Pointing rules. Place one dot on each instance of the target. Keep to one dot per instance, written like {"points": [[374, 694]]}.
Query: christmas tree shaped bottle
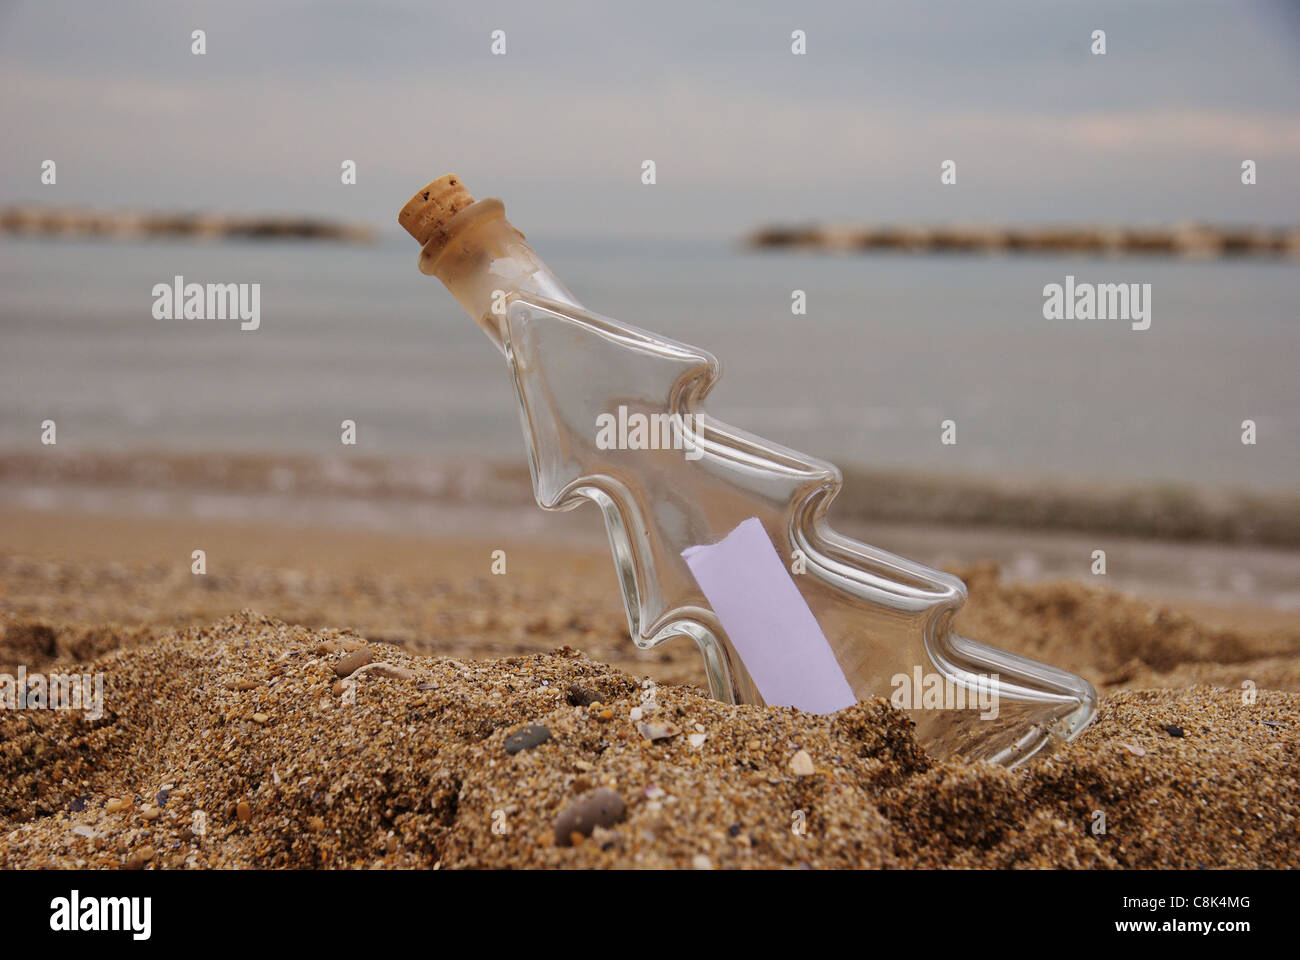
{"points": [[719, 535]]}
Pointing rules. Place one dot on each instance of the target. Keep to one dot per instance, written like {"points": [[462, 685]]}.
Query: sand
{"points": [[236, 745], [230, 741]]}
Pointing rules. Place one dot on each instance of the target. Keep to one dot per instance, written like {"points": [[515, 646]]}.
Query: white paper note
{"points": [[768, 621]]}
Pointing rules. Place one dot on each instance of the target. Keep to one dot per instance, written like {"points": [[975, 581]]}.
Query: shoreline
{"points": [[1211, 550], [1164, 511]]}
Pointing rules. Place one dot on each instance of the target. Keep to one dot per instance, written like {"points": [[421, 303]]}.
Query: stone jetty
{"points": [[82, 224], [1193, 240]]}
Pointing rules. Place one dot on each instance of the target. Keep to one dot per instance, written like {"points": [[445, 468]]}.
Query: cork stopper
{"points": [[428, 211]]}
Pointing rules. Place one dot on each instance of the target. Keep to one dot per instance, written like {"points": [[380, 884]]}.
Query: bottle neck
{"points": [[484, 262]]}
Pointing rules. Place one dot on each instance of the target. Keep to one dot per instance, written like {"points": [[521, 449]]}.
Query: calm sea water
{"points": [[890, 347]]}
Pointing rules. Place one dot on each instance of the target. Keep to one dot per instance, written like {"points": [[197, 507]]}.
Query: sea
{"points": [[890, 347]]}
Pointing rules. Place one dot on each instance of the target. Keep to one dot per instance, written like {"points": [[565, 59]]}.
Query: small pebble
{"points": [[658, 731], [635, 714], [337, 646], [601, 807], [1174, 730], [353, 661], [525, 738], [244, 811], [150, 813], [1133, 748], [390, 670], [701, 862], [580, 696], [140, 858], [260, 718], [801, 765], [117, 805], [697, 739]]}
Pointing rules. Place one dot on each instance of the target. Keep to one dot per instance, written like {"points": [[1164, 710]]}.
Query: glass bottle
{"points": [[694, 518]]}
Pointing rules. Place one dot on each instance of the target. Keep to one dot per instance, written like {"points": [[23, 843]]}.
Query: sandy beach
{"points": [[229, 739]]}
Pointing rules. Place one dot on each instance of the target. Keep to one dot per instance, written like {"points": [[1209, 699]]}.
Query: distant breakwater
{"points": [[81, 224], [1193, 240]]}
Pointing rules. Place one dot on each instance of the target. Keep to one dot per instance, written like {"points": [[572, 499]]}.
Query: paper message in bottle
{"points": [[768, 621]]}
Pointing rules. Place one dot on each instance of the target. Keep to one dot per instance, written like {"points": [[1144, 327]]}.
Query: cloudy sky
{"points": [[741, 130]]}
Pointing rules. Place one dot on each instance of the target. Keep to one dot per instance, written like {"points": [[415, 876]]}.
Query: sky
{"points": [[742, 131]]}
